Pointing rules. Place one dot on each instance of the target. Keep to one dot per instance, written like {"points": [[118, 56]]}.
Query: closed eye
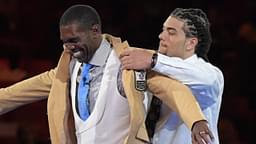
{"points": [[72, 40], [170, 30]]}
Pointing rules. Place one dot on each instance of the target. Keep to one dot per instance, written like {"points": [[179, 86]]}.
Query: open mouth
{"points": [[77, 52]]}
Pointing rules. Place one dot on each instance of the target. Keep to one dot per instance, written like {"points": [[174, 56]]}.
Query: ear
{"points": [[96, 28], [191, 43]]}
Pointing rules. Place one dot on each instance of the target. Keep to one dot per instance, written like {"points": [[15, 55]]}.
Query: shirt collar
{"points": [[100, 56], [191, 59]]}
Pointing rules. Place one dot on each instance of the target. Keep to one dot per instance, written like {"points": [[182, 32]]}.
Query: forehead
{"points": [[172, 22], [74, 27], [70, 30]]}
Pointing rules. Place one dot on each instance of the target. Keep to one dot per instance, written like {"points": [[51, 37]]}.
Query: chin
{"points": [[78, 59], [162, 52]]}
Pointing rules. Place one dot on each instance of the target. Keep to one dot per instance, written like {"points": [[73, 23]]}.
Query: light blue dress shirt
{"points": [[206, 83]]}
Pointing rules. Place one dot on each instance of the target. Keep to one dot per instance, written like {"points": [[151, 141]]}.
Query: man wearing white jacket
{"points": [[182, 55]]}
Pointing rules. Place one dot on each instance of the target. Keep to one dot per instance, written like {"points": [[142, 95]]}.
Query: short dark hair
{"points": [[84, 15], [196, 25]]}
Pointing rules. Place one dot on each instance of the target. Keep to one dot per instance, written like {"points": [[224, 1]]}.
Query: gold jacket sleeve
{"points": [[27, 91], [176, 96]]}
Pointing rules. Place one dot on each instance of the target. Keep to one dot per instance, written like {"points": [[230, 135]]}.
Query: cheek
{"points": [[170, 50]]}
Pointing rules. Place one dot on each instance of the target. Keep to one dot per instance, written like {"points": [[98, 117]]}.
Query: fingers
{"points": [[210, 135], [194, 141], [205, 137], [126, 60], [202, 138], [126, 52], [126, 64]]}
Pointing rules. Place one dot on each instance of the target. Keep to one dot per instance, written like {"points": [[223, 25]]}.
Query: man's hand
{"points": [[136, 58], [201, 133]]}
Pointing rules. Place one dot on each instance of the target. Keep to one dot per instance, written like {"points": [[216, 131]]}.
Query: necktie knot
{"points": [[85, 73]]}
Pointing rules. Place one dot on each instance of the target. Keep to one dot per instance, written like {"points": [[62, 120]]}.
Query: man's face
{"points": [[78, 41], [173, 41]]}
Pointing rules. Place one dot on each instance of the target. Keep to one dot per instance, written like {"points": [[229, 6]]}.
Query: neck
{"points": [[99, 40]]}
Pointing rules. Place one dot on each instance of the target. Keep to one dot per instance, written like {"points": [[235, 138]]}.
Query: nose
{"points": [[160, 36]]}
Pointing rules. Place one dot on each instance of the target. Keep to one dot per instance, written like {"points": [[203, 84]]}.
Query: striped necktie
{"points": [[83, 90]]}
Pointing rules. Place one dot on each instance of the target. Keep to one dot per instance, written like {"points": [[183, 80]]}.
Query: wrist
{"points": [[198, 122], [154, 60]]}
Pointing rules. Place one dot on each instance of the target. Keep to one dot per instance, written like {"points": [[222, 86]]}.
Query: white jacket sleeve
{"points": [[204, 79]]}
